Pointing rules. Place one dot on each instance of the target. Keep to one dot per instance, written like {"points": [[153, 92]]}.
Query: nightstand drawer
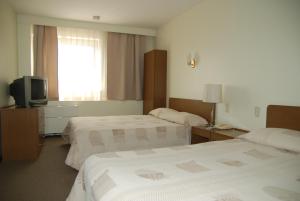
{"points": [[217, 137], [226, 134], [201, 132], [200, 135], [198, 139]]}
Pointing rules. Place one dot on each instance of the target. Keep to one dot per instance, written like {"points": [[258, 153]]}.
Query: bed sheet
{"points": [[232, 170], [90, 135]]}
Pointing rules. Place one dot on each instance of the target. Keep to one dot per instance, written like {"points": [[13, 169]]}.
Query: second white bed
{"points": [[233, 170]]}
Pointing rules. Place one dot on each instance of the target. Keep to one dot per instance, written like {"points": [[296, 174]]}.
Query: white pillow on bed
{"points": [[183, 118], [276, 137], [156, 112], [172, 116], [194, 120]]}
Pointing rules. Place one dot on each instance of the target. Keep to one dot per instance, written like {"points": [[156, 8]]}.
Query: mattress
{"points": [[232, 170], [90, 135]]}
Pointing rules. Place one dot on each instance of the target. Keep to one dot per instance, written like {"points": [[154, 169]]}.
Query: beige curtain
{"points": [[125, 66], [45, 57]]}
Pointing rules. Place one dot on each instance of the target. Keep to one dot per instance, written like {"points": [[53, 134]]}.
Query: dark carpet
{"points": [[45, 179]]}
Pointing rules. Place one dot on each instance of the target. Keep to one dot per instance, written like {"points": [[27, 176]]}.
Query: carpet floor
{"points": [[45, 179]]}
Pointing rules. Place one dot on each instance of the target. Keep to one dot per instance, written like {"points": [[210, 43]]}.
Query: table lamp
{"points": [[213, 94]]}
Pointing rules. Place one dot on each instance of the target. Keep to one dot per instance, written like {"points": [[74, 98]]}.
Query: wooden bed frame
{"points": [[197, 107], [280, 116]]}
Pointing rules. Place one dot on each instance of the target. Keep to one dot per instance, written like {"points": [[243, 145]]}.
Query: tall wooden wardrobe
{"points": [[155, 80]]}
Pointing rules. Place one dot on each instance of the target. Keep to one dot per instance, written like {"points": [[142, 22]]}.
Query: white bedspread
{"points": [[232, 170], [90, 135]]}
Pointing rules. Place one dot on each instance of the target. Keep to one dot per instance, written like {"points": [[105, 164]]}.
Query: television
{"points": [[29, 91]]}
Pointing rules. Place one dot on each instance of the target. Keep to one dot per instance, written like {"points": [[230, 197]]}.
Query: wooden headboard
{"points": [[197, 107], [280, 116]]}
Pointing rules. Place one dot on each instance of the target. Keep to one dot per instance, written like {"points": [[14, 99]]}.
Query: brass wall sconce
{"points": [[192, 60], [192, 63]]}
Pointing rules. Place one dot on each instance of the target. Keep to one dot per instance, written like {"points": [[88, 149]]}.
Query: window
{"points": [[81, 64]]}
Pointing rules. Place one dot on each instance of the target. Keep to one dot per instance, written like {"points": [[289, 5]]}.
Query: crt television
{"points": [[29, 91]]}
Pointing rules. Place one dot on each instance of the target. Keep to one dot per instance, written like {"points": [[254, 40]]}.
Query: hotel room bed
{"points": [[263, 165], [90, 135]]}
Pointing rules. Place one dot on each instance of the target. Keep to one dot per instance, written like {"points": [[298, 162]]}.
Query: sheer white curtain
{"points": [[81, 64]]}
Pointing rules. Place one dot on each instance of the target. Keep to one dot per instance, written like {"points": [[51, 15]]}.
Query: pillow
{"points": [[172, 116], [157, 111], [183, 118], [276, 137], [194, 120]]}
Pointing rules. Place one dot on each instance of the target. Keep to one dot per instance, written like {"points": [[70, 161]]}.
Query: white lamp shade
{"points": [[213, 93]]}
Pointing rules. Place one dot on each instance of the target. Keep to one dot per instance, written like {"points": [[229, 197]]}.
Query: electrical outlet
{"points": [[256, 111]]}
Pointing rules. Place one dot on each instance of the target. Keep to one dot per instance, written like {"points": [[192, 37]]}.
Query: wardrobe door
{"points": [[149, 62], [160, 79], [155, 67]]}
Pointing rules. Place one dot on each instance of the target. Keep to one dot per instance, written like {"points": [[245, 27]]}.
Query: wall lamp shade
{"points": [[213, 93], [192, 62]]}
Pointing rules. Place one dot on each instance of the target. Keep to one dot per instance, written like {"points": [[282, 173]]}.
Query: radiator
{"points": [[57, 116]]}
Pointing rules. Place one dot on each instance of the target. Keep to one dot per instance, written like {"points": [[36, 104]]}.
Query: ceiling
{"points": [[140, 13]]}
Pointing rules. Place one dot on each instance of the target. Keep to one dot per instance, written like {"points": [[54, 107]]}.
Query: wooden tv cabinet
{"points": [[21, 133]]}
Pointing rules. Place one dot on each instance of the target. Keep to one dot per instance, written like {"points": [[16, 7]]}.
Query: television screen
{"points": [[37, 89]]}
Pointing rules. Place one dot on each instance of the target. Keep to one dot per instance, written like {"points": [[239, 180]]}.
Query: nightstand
{"points": [[200, 134], [218, 134], [205, 134]]}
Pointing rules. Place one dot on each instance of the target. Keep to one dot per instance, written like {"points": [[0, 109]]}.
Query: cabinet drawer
{"points": [[198, 139], [216, 137]]}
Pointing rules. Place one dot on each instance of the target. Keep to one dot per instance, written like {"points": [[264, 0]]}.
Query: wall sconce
{"points": [[192, 60]]}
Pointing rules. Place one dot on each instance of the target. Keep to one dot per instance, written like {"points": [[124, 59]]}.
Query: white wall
{"points": [[103, 108], [252, 47], [8, 50], [88, 108]]}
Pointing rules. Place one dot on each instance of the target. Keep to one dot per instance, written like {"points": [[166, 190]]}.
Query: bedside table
{"points": [[205, 134], [200, 134], [218, 134]]}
